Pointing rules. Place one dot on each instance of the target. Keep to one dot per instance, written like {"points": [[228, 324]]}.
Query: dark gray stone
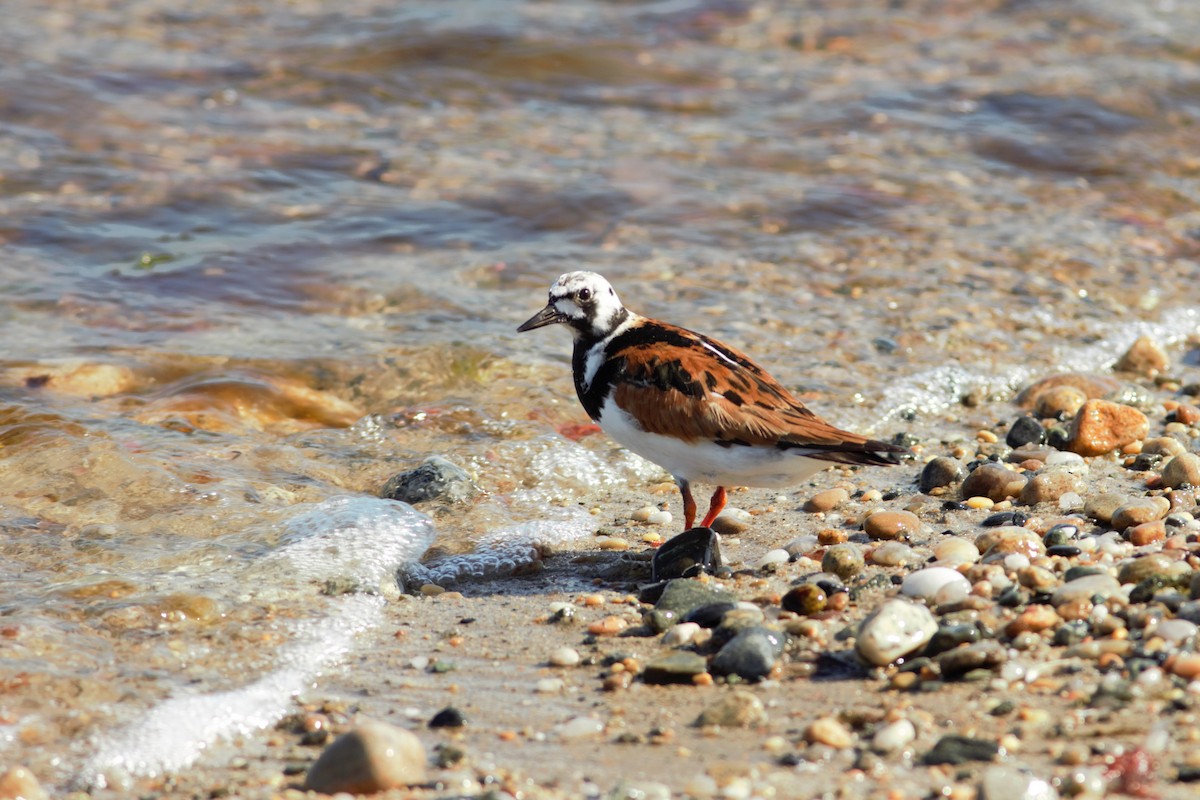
{"points": [[955, 749], [749, 655]]}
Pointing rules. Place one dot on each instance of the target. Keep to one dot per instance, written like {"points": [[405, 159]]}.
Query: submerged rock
{"points": [[435, 479]]}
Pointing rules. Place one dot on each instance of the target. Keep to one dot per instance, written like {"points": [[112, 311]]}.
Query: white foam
{"points": [[364, 538], [934, 390]]}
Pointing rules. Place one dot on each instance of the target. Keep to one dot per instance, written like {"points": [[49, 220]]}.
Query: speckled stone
{"points": [[1182, 470], [941, 471], [435, 479], [1024, 431], [895, 629], [994, 482], [891, 524], [683, 595], [844, 560], [1101, 427], [1101, 507], [1049, 486], [1059, 402], [1147, 533], [806, 599], [1153, 565], [826, 500], [374, 757]]}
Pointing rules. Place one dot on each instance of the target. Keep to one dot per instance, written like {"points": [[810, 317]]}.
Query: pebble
{"points": [[806, 599], [1148, 533], [732, 521], [1034, 619], [826, 500], [1086, 588], [1025, 430], [987, 654], [895, 629], [941, 471], [1059, 402], [681, 596], [550, 686], [374, 757], [1003, 782], [738, 709], [949, 637], [608, 626], [1101, 427], [830, 732], [1163, 446], [936, 582], [679, 666], [894, 736], [1144, 357], [979, 503], [1175, 631], [1182, 470], [681, 634], [1185, 665], [955, 749], [578, 728], [1135, 512], [1153, 565], [954, 550], [750, 655], [18, 783], [1009, 539], [1039, 579], [1050, 487], [435, 479], [843, 560], [776, 556], [894, 554], [1101, 507], [660, 517], [891, 524], [564, 657], [448, 717], [994, 482]]}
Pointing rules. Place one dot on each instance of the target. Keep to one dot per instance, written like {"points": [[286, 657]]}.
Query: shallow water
{"points": [[263, 256]]}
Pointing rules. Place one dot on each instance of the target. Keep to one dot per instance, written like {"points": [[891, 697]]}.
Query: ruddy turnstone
{"points": [[696, 407]]}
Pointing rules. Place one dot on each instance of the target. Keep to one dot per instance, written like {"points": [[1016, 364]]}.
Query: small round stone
{"points": [[830, 732], [564, 657], [894, 554], [750, 655], [738, 709], [940, 472], [448, 717], [891, 524], [806, 599], [979, 503], [826, 500], [578, 728], [681, 634], [1050, 486], [843, 560], [894, 736], [1148, 533], [1144, 357], [1085, 588], [1182, 470], [895, 629], [374, 757], [994, 482], [955, 550], [776, 556], [1034, 619], [1154, 565], [1025, 430], [931, 582], [1059, 402], [1135, 512]]}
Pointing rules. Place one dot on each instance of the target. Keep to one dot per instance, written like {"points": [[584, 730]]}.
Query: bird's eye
{"points": [[584, 295]]}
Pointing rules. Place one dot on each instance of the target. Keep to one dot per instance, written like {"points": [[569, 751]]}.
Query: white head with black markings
{"points": [[583, 301]]}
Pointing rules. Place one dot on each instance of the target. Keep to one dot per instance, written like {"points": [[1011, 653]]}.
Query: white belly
{"points": [[705, 462]]}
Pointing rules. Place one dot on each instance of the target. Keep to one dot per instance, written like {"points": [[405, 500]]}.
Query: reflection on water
{"points": [[259, 255]]}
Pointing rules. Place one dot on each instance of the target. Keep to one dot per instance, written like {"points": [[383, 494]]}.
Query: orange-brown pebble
{"points": [[891, 524], [828, 536], [1077, 609], [1108, 661], [826, 500], [838, 601], [592, 600], [702, 679], [609, 626], [1034, 619], [616, 681], [1185, 665], [1101, 427], [1187, 414], [1148, 533], [507, 736]]}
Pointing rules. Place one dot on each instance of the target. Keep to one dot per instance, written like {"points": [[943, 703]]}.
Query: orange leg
{"points": [[714, 507], [689, 503]]}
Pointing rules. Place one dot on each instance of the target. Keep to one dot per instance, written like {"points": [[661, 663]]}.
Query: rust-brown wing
{"points": [[676, 382]]}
